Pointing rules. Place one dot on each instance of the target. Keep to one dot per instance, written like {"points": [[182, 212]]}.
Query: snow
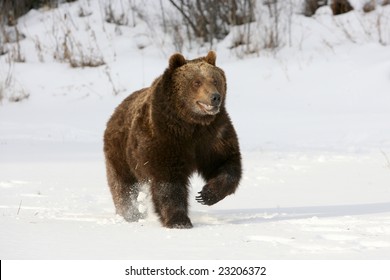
{"points": [[312, 119]]}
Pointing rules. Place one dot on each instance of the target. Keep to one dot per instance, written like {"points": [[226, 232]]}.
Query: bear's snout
{"points": [[210, 105], [215, 99]]}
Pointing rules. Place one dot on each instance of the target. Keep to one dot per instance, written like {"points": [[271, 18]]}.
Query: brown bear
{"points": [[162, 134]]}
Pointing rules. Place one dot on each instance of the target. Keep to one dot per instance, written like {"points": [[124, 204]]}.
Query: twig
{"points": [[387, 158], [20, 206], [107, 71]]}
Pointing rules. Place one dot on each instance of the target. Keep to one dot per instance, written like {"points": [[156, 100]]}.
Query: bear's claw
{"points": [[206, 197]]}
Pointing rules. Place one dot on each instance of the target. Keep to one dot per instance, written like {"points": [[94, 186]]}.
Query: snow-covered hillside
{"points": [[312, 119]]}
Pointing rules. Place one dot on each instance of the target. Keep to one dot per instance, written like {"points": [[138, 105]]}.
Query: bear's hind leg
{"points": [[124, 190]]}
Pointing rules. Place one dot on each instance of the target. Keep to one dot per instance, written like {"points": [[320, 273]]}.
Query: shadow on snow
{"points": [[263, 215]]}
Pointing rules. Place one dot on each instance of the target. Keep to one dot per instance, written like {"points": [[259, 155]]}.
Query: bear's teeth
{"points": [[206, 106], [208, 109]]}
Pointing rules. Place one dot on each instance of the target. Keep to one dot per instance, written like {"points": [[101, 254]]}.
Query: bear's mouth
{"points": [[208, 109]]}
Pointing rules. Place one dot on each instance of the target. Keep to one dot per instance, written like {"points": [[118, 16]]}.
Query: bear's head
{"points": [[198, 87]]}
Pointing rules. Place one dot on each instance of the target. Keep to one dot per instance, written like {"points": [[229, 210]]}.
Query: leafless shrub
{"points": [[239, 39], [11, 34], [386, 158], [345, 27], [5, 83], [71, 49], [10, 10], [111, 16], [115, 89], [270, 30], [38, 48], [211, 19], [3, 47], [178, 40], [383, 28], [19, 96], [84, 12], [372, 27], [3, 50], [16, 51], [10, 89], [272, 39], [89, 57], [10, 38]]}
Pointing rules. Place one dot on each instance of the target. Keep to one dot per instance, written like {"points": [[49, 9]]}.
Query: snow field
{"points": [[312, 119]]}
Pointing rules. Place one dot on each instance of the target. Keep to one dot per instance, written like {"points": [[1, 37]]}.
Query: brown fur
{"points": [[162, 134]]}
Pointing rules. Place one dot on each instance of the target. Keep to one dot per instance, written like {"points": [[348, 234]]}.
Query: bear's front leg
{"points": [[171, 204], [222, 180]]}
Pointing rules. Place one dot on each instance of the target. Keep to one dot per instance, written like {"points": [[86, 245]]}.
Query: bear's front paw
{"points": [[207, 197]]}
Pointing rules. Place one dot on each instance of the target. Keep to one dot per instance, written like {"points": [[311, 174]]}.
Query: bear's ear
{"points": [[211, 57], [176, 60]]}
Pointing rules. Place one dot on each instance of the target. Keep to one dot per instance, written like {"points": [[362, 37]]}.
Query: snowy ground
{"points": [[289, 206], [315, 135]]}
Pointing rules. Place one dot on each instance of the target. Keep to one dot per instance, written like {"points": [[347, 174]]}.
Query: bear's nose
{"points": [[215, 99]]}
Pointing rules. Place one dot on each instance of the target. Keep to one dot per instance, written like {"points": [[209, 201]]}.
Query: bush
{"points": [[211, 19], [10, 89]]}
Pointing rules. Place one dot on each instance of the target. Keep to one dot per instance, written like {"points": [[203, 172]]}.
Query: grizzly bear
{"points": [[162, 134]]}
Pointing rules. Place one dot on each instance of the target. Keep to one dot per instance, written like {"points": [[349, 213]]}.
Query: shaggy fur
{"points": [[162, 134]]}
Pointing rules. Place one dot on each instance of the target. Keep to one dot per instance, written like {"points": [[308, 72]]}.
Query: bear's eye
{"points": [[197, 83], [215, 82]]}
